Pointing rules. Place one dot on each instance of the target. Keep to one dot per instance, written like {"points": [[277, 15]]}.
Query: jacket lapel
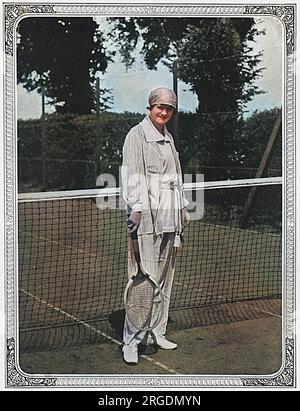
{"points": [[151, 133]]}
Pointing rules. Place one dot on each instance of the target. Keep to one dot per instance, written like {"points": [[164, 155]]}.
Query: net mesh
{"points": [[73, 266]]}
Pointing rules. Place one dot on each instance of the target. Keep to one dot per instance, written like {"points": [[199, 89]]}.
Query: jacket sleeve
{"points": [[185, 201], [133, 172]]}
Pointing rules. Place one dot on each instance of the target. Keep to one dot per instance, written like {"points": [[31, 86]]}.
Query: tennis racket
{"points": [[140, 295]]}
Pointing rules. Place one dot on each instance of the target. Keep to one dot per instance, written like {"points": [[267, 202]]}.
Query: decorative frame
{"points": [[15, 377]]}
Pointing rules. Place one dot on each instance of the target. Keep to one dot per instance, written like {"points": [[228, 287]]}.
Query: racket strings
{"points": [[141, 296]]}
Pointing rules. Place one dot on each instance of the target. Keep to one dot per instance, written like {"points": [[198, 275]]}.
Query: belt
{"points": [[170, 186]]}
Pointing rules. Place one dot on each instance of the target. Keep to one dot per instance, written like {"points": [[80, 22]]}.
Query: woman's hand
{"points": [[134, 221], [185, 217]]}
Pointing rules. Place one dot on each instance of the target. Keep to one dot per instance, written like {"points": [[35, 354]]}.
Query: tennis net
{"points": [[73, 259]]}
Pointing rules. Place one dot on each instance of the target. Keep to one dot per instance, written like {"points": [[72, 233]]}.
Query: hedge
{"points": [[78, 148]]}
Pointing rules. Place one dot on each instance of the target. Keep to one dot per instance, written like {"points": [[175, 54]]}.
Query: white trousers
{"points": [[158, 255]]}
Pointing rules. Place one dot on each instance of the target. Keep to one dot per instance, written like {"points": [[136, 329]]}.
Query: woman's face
{"points": [[160, 114]]}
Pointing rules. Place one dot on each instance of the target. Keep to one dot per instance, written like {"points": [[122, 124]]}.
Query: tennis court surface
{"points": [[226, 299]]}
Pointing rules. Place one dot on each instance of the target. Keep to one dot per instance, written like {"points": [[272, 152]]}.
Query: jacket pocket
{"points": [[154, 161]]}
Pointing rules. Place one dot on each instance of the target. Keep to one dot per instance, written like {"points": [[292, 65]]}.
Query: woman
{"points": [[156, 208]]}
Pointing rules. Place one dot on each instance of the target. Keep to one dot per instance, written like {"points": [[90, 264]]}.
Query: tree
{"points": [[61, 57], [214, 55], [216, 60], [254, 139]]}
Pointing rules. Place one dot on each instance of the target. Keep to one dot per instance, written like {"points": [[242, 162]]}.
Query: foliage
{"points": [[61, 56], [214, 55], [208, 145], [254, 138], [70, 149], [212, 145], [74, 163]]}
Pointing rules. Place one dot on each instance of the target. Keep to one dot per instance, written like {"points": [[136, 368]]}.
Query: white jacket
{"points": [[143, 179]]}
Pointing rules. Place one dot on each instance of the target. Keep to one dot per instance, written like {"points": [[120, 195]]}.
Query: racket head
{"points": [[141, 294]]}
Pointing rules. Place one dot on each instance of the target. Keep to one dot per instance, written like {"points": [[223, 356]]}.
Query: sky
{"points": [[131, 88]]}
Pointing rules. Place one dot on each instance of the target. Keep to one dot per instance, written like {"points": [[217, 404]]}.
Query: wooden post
{"points": [[44, 146], [43, 103], [175, 89], [261, 169], [98, 96], [98, 130]]}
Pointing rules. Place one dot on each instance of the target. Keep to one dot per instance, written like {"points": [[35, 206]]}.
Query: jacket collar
{"points": [[151, 133]]}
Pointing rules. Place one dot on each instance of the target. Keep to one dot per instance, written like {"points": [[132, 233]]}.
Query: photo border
{"points": [[15, 377]]}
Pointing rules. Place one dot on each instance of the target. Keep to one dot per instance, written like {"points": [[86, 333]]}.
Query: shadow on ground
{"points": [[248, 347]]}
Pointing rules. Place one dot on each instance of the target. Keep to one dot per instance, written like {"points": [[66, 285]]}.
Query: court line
{"points": [[199, 290], [225, 302], [59, 243], [65, 313], [263, 311]]}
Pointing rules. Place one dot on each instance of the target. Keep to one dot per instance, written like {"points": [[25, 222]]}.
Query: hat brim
{"points": [[162, 103]]}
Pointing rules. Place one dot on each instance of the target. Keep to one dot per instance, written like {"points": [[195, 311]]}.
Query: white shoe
{"points": [[130, 354], [163, 343]]}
